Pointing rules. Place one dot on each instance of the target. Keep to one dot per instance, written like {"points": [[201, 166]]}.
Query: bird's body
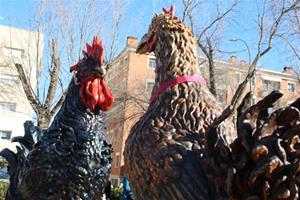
{"points": [[164, 149], [72, 160], [177, 150]]}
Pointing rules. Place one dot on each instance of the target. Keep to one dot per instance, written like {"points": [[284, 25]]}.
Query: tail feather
{"points": [[16, 161], [296, 104], [11, 159], [264, 159], [27, 140]]}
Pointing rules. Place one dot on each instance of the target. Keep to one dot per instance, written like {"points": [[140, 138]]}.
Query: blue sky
{"points": [[138, 14]]}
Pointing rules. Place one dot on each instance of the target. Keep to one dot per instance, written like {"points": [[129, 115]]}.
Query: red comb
{"points": [[170, 12], [95, 51]]}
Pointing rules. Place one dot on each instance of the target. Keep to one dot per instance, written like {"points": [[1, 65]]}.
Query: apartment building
{"points": [[16, 46], [131, 78], [230, 73]]}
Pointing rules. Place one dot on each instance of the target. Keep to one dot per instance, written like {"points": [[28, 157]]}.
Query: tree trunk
{"points": [[212, 81], [43, 121]]}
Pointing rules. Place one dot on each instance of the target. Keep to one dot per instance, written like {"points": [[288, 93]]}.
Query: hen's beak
{"points": [[143, 47]]}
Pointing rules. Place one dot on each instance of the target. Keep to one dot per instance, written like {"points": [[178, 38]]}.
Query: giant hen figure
{"points": [[73, 158], [164, 150]]}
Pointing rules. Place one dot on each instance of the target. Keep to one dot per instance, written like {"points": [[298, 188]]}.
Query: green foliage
{"points": [[3, 163], [3, 189], [116, 193]]}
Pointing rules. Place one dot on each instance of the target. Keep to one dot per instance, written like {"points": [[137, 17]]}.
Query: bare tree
{"points": [[266, 34], [117, 15], [292, 40], [136, 100], [271, 15], [44, 111], [207, 34], [66, 27], [208, 40]]}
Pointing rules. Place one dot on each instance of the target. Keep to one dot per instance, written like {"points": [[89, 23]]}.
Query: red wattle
{"points": [[109, 99], [96, 93]]}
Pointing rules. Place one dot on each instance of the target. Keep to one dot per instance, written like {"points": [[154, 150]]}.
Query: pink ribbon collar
{"points": [[175, 81]]}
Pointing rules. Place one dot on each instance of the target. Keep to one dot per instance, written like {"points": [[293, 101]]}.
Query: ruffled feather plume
{"points": [[94, 51]]}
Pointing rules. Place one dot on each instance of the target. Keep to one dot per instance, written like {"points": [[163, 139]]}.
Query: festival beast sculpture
{"points": [[264, 161], [72, 160], [175, 151]]}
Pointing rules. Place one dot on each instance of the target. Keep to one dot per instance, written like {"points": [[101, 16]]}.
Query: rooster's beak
{"points": [[102, 70], [143, 47]]}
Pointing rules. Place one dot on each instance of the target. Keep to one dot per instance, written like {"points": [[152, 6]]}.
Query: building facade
{"points": [[24, 47], [131, 78], [231, 73]]}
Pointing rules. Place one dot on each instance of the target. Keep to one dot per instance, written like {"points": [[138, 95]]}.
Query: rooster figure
{"points": [[264, 161], [72, 159], [165, 148]]}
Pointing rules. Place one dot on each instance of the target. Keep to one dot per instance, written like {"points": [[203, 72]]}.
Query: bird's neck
{"points": [[176, 56], [74, 114]]}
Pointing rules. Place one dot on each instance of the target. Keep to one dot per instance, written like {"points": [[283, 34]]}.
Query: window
{"points": [[291, 87], [6, 135], [13, 52], [271, 85], [6, 106], [2, 64], [152, 63], [9, 79], [150, 85], [117, 161], [238, 77]]}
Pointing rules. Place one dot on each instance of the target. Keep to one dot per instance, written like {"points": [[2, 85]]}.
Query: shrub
{"points": [[3, 163], [3, 189], [116, 193]]}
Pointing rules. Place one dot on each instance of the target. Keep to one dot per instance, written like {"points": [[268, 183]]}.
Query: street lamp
{"points": [[249, 55]]}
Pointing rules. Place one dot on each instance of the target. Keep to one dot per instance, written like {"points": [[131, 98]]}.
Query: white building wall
{"points": [[24, 47]]}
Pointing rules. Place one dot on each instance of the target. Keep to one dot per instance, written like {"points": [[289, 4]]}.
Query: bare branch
{"points": [[252, 68], [32, 98], [206, 45], [217, 19], [291, 46], [126, 96], [117, 17], [189, 6], [211, 66], [275, 26], [236, 97], [57, 105], [54, 75]]}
